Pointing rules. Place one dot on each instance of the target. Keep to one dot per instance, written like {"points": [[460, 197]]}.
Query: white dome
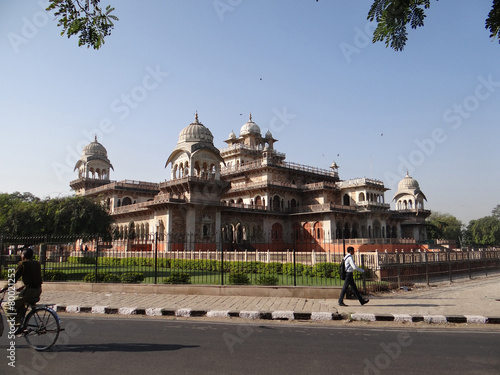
{"points": [[95, 149], [250, 128], [94, 153], [408, 186], [196, 132], [408, 183]]}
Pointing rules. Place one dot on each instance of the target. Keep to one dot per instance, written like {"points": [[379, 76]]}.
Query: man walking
{"points": [[350, 267]]}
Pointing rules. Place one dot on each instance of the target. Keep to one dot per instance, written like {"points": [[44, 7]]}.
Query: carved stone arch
{"points": [[318, 230]]}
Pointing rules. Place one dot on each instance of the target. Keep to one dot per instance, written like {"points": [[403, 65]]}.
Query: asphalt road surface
{"points": [[141, 345]]}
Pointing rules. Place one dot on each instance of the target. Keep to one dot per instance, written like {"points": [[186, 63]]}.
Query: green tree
{"points": [[15, 213], [80, 215], [393, 17], [27, 215], [92, 24], [496, 212], [483, 232], [443, 226], [84, 18]]}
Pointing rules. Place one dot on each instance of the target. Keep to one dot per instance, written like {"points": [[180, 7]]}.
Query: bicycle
{"points": [[41, 325]]}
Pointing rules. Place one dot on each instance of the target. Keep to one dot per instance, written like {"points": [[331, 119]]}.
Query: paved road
{"points": [[135, 345]]}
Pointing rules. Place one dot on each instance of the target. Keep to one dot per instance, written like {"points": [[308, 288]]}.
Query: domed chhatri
{"points": [[409, 196], [93, 168], [94, 162], [195, 153]]}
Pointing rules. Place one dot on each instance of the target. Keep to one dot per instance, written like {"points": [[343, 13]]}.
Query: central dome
{"points": [[196, 132], [250, 128]]}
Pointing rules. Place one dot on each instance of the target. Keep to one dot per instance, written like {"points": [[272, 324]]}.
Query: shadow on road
{"points": [[119, 347]]}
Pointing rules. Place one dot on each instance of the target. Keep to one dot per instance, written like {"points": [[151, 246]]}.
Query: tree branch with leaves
{"points": [[84, 18]]}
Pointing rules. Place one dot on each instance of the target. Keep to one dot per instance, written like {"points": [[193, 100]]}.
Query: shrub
{"points": [[82, 260], [90, 277], [267, 280], [238, 278], [111, 278], [326, 269], [111, 261], [132, 277], [55, 276], [274, 268], [307, 271], [105, 277], [178, 278]]}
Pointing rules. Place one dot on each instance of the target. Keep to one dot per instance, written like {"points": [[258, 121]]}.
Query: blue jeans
{"points": [[349, 281]]}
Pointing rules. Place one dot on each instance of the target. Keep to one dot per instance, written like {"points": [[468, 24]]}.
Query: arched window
{"points": [[346, 200], [277, 232], [276, 203], [126, 201], [318, 231]]}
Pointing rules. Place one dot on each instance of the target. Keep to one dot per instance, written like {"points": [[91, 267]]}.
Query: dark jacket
{"points": [[31, 273]]}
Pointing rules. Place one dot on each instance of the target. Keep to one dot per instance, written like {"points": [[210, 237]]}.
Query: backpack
{"points": [[342, 272]]}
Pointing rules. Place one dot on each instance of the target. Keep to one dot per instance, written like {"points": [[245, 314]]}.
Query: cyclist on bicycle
{"points": [[30, 271]]}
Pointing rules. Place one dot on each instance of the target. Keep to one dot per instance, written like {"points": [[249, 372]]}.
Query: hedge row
{"points": [[328, 270]]}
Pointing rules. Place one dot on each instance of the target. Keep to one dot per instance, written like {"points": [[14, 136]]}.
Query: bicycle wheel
{"points": [[42, 328]]}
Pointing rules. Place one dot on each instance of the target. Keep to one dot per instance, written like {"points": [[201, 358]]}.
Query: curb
{"points": [[279, 315]]}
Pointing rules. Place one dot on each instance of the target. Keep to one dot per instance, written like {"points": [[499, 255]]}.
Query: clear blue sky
{"points": [[306, 70]]}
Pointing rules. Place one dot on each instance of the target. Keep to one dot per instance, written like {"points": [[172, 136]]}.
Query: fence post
{"points": [[222, 266], [294, 268], [43, 255], [364, 273], [156, 257], [485, 253], [448, 254], [427, 278], [96, 258], [398, 268], [468, 264]]}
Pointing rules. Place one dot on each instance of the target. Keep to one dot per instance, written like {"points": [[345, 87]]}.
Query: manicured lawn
{"points": [[77, 272]]}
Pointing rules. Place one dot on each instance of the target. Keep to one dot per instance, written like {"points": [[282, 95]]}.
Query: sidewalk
{"points": [[469, 301]]}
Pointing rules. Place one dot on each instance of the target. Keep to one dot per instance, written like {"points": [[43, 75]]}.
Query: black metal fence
{"points": [[154, 261], [405, 269]]}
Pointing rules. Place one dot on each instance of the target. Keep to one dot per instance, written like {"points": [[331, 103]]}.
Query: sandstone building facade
{"points": [[247, 196]]}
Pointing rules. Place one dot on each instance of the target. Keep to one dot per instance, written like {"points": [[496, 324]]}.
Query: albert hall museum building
{"points": [[246, 196]]}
